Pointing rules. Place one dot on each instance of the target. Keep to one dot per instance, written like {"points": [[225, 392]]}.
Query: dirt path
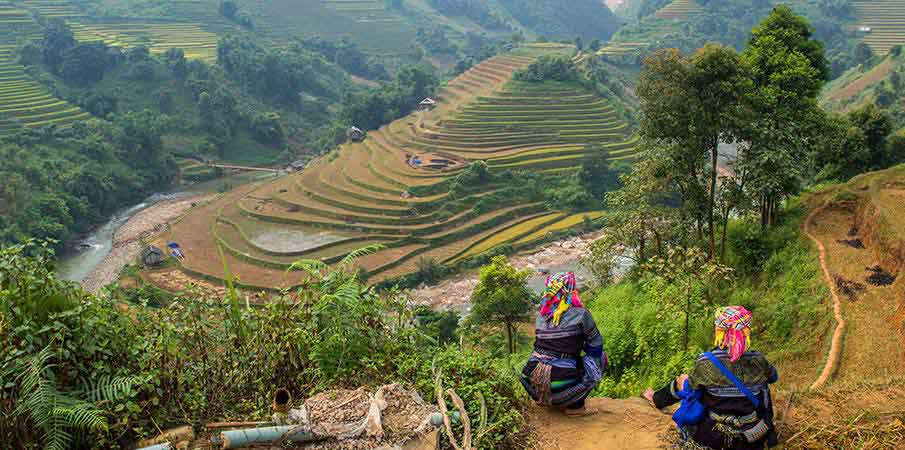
{"points": [[865, 347], [836, 346], [619, 425]]}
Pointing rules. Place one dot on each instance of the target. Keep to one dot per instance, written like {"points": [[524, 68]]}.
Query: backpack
{"points": [[691, 411]]}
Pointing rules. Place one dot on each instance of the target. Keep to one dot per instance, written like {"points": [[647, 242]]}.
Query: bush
{"points": [[555, 68]]}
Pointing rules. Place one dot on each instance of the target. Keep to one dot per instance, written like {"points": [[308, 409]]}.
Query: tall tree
{"points": [[689, 106], [788, 70]]}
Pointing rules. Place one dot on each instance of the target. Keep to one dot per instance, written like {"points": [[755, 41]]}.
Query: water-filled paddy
{"points": [[295, 239]]}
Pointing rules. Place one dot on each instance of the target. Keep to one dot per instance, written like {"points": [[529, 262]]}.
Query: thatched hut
{"points": [[151, 256], [355, 134], [427, 104]]}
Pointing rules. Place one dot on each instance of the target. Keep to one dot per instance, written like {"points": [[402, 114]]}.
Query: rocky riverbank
{"points": [[127, 240], [455, 293]]}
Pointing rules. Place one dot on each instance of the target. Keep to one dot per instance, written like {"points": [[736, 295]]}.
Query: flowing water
{"points": [[81, 259]]}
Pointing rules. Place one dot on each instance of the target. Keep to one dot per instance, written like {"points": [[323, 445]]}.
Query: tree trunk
{"points": [[723, 238], [714, 157], [509, 338]]}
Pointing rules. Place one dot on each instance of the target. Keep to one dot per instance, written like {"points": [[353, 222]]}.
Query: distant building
{"points": [[151, 256], [427, 104], [355, 134], [297, 165], [864, 29]]}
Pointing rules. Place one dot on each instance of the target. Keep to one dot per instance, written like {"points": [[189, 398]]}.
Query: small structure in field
{"points": [[151, 256], [297, 165], [427, 104], [355, 134]]}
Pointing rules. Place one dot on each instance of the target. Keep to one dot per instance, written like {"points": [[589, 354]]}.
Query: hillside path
{"points": [[832, 359], [619, 424]]}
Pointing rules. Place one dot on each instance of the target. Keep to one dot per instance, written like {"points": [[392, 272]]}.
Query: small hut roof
{"points": [[355, 130], [428, 101]]}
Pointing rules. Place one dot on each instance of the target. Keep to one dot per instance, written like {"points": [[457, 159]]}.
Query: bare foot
{"points": [[580, 412]]}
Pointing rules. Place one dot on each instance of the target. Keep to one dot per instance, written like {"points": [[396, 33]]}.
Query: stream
{"points": [[87, 252]]}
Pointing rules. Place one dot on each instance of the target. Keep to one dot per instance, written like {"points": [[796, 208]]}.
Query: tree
{"points": [[690, 105], [502, 298], [84, 63], [689, 269], [640, 220], [595, 45], [595, 174], [58, 38], [863, 53], [788, 69]]}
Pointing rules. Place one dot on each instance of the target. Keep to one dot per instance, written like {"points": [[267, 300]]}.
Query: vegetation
{"points": [[163, 370], [502, 298]]}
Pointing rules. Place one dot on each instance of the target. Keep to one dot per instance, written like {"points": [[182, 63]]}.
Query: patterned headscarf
{"points": [[733, 330], [561, 294]]}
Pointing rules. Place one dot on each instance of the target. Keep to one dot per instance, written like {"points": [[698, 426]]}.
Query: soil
{"points": [[879, 276], [338, 407], [853, 243], [127, 240], [618, 425], [849, 288], [857, 356]]}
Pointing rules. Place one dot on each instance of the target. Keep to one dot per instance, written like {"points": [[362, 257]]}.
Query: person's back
{"points": [[732, 421], [557, 374]]}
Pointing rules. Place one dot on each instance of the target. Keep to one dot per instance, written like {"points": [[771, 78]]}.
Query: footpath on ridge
{"points": [[618, 425]]}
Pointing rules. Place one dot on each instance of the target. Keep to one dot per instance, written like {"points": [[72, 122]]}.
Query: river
{"points": [[78, 261]]}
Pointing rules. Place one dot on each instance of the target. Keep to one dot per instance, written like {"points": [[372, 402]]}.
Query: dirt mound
{"points": [[880, 277]]}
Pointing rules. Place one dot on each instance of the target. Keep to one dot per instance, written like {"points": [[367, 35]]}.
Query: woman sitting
{"points": [[735, 419], [557, 375]]}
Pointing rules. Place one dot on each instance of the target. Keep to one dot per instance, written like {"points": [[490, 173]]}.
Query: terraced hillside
{"points": [[193, 28], [393, 188], [23, 101], [679, 10], [886, 19], [368, 23]]}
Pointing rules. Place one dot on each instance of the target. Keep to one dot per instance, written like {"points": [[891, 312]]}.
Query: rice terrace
{"points": [[393, 188]]}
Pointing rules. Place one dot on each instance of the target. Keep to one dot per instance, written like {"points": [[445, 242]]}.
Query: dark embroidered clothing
{"points": [[730, 411], [557, 374]]}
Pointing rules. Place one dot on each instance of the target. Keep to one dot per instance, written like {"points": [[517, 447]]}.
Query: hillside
{"points": [[880, 80], [413, 187], [885, 22]]}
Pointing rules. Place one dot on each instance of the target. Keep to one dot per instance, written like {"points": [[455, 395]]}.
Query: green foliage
{"points": [[202, 359], [476, 10], [57, 184], [586, 18], [641, 319], [548, 68], [501, 298]]}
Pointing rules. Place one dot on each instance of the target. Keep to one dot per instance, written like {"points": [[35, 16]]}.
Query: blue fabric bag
{"points": [[691, 411]]}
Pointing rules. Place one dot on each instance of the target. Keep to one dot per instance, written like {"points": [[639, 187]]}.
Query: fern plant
{"points": [[63, 416]]}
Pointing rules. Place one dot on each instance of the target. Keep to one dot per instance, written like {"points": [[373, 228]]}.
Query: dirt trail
{"points": [[619, 425], [864, 347], [836, 346]]}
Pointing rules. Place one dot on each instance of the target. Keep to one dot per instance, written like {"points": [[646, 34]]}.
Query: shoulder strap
{"points": [[731, 376]]}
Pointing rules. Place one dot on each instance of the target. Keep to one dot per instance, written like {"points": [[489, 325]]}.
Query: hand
{"points": [[680, 381], [649, 396]]}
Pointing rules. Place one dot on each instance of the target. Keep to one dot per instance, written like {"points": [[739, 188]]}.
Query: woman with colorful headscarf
{"points": [[557, 374], [732, 420]]}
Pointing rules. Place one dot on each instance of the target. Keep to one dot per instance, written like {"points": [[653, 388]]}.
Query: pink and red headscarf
{"points": [[733, 330], [560, 294]]}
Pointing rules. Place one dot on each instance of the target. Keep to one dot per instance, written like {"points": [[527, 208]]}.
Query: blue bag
{"points": [[691, 411]]}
